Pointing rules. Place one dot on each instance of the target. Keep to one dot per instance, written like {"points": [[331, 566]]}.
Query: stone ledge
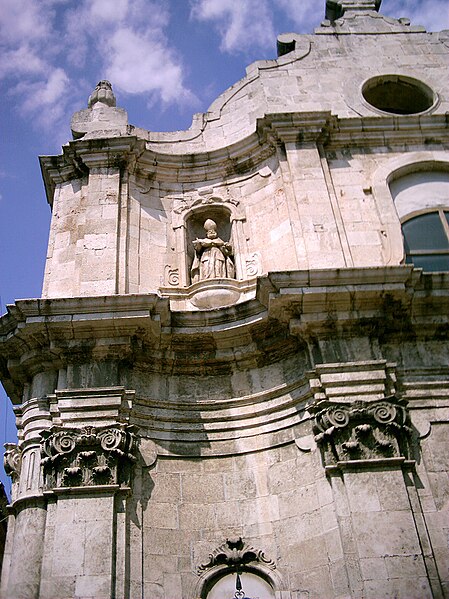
{"points": [[88, 490], [374, 464], [26, 501]]}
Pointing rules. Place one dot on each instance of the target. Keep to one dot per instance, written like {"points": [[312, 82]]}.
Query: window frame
{"points": [[441, 211]]}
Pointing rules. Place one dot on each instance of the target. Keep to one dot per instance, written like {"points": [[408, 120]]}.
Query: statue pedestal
{"points": [[210, 294]]}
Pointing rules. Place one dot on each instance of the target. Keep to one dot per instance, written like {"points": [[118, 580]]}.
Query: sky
{"points": [[166, 59]]}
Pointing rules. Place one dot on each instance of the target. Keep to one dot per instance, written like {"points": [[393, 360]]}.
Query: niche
{"points": [[210, 250]]}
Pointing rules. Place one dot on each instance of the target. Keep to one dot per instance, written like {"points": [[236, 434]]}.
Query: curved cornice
{"points": [[190, 164], [290, 308], [141, 335]]}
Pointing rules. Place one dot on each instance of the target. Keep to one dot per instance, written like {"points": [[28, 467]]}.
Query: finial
{"points": [[102, 93], [336, 8]]}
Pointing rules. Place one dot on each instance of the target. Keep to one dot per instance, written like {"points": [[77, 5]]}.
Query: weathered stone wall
{"points": [[294, 149], [290, 420]]}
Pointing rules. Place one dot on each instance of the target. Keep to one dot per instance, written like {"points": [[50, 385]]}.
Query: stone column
{"points": [[240, 254], [27, 547], [25, 544]]}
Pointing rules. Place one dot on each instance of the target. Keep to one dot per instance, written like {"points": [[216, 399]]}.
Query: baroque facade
{"points": [[236, 379]]}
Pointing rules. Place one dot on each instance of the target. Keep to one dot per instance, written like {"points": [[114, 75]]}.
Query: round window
{"points": [[397, 94]]}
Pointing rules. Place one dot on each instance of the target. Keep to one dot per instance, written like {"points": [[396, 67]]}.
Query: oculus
{"points": [[397, 94]]}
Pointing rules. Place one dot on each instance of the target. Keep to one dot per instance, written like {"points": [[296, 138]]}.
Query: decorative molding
{"points": [[235, 552], [171, 276], [12, 461], [367, 380], [88, 456], [184, 204], [253, 265], [361, 430]]}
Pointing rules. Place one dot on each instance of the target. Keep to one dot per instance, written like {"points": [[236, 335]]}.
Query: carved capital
{"points": [[361, 430], [12, 461], [88, 456], [236, 553]]}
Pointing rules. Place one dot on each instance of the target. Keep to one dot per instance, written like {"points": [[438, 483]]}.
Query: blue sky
{"points": [[167, 59]]}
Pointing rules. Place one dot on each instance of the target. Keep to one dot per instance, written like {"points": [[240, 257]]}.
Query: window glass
{"points": [[424, 192], [430, 263], [426, 241], [425, 232]]}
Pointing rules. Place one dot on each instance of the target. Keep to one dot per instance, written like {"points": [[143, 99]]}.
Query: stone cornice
{"points": [[298, 127], [384, 301], [243, 156], [81, 155], [388, 130]]}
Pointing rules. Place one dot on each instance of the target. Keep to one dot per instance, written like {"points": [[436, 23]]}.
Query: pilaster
{"points": [[368, 444], [321, 237]]}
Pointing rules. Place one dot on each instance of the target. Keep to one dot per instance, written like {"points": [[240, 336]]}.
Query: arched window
{"points": [[246, 586], [238, 570], [426, 240], [421, 199]]}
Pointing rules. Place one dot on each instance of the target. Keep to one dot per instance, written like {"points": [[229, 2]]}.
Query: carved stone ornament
{"points": [[183, 204], [235, 552], [102, 94], [253, 268], [12, 461], [171, 276], [361, 430], [88, 456]]}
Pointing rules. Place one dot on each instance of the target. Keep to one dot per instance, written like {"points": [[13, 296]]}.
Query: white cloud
{"points": [[129, 43], [22, 60], [24, 20], [49, 46], [107, 11], [139, 64], [306, 14], [45, 93], [241, 25], [433, 14], [45, 101]]}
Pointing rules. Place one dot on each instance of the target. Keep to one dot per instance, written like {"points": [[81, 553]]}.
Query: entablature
{"points": [[290, 309], [185, 164]]}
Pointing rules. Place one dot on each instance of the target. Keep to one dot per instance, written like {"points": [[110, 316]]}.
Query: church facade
{"points": [[235, 382]]}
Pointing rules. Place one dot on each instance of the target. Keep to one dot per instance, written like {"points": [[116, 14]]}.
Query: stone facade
{"points": [[284, 420]]}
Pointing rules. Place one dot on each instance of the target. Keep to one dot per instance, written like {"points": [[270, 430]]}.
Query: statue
{"points": [[212, 256]]}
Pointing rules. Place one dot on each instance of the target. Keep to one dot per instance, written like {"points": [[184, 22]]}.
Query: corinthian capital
{"points": [[361, 430], [88, 456]]}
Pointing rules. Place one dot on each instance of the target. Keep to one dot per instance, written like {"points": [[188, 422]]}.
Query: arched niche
{"points": [[195, 229], [188, 223], [254, 583], [219, 579]]}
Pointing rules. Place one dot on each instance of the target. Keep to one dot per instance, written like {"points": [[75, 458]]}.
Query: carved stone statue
{"points": [[212, 256]]}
